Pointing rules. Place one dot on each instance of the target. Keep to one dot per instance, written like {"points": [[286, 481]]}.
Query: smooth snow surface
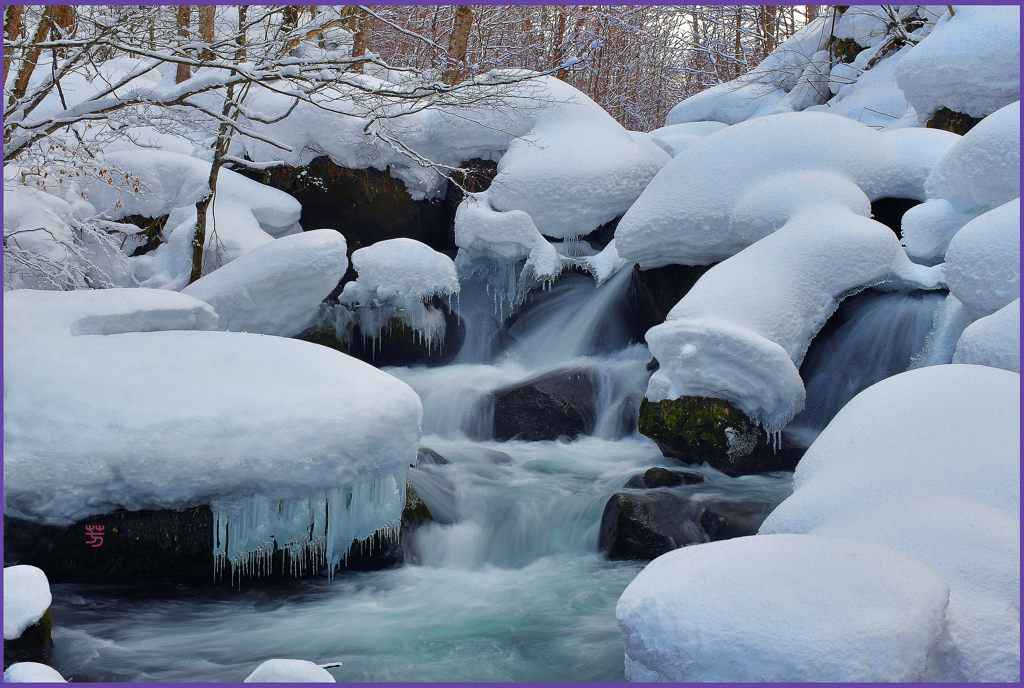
{"points": [[976, 549], [277, 288], [983, 260], [970, 63], [993, 340], [675, 138], [26, 599], [137, 420], [741, 332], [782, 608], [740, 184], [289, 671], [945, 430], [32, 672]]}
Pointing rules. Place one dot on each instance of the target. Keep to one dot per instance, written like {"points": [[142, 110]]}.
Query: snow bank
{"points": [[791, 78], [738, 185], [976, 549], [993, 340], [289, 671], [138, 420], [983, 260], [777, 608], [741, 332], [970, 63], [26, 599], [946, 431], [32, 672], [277, 288], [675, 138]]}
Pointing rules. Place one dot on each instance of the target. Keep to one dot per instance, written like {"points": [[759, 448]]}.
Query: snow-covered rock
{"points": [[782, 608], [993, 340], [32, 672], [946, 430], [675, 138], [26, 599], [276, 288], [969, 63], [738, 185], [165, 419], [289, 671], [983, 260], [976, 549]]}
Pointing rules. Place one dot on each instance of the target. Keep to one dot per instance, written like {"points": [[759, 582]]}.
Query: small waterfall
{"points": [[871, 336]]}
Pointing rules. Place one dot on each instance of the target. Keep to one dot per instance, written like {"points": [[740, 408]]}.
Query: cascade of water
{"points": [[870, 337]]}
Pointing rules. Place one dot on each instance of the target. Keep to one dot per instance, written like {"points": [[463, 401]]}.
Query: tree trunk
{"points": [[183, 17], [220, 150], [240, 53], [206, 16], [12, 31], [459, 42], [25, 73]]}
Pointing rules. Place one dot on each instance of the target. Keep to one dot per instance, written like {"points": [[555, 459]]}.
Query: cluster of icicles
{"points": [[312, 532]]}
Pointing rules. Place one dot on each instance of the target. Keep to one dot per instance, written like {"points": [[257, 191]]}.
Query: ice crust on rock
{"points": [[26, 599], [976, 549], [92, 425], [944, 430], [32, 672], [397, 279], [776, 610], [695, 213], [289, 671], [742, 331], [277, 288], [982, 264], [993, 340], [969, 63]]}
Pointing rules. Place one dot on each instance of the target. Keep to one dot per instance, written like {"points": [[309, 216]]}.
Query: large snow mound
{"points": [[776, 608], [276, 288], [141, 420], [976, 549], [741, 332], [946, 430], [26, 599], [289, 671], [993, 340], [969, 63], [730, 189], [32, 672], [983, 260], [400, 270]]}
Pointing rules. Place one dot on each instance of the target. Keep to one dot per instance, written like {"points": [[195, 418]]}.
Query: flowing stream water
{"points": [[506, 585]]}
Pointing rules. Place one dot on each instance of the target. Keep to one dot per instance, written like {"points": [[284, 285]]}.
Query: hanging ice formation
{"points": [[312, 532]]}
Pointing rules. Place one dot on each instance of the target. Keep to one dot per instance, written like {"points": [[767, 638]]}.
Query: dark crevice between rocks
{"points": [[35, 644], [950, 120], [890, 211], [658, 290]]}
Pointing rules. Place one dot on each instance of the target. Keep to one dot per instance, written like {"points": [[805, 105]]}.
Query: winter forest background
{"points": [[511, 343]]}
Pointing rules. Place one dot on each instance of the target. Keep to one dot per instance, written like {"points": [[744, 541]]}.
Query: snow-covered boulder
{"points": [[165, 419], [675, 138], [782, 608], [738, 185], [26, 599], [946, 430], [983, 260], [276, 288], [32, 672], [289, 671], [976, 549], [993, 340], [741, 332], [969, 63]]}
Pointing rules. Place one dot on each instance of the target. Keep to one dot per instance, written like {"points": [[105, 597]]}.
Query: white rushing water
{"points": [[506, 585]]}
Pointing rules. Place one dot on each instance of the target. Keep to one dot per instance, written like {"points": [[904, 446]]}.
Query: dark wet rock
{"points": [[844, 50], [696, 430], [425, 455], [546, 407], [659, 289], [645, 526], [725, 520], [950, 120], [35, 644], [663, 477]]}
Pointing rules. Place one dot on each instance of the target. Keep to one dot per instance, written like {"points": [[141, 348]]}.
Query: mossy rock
{"points": [[35, 644], [696, 430], [950, 120], [416, 513]]}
